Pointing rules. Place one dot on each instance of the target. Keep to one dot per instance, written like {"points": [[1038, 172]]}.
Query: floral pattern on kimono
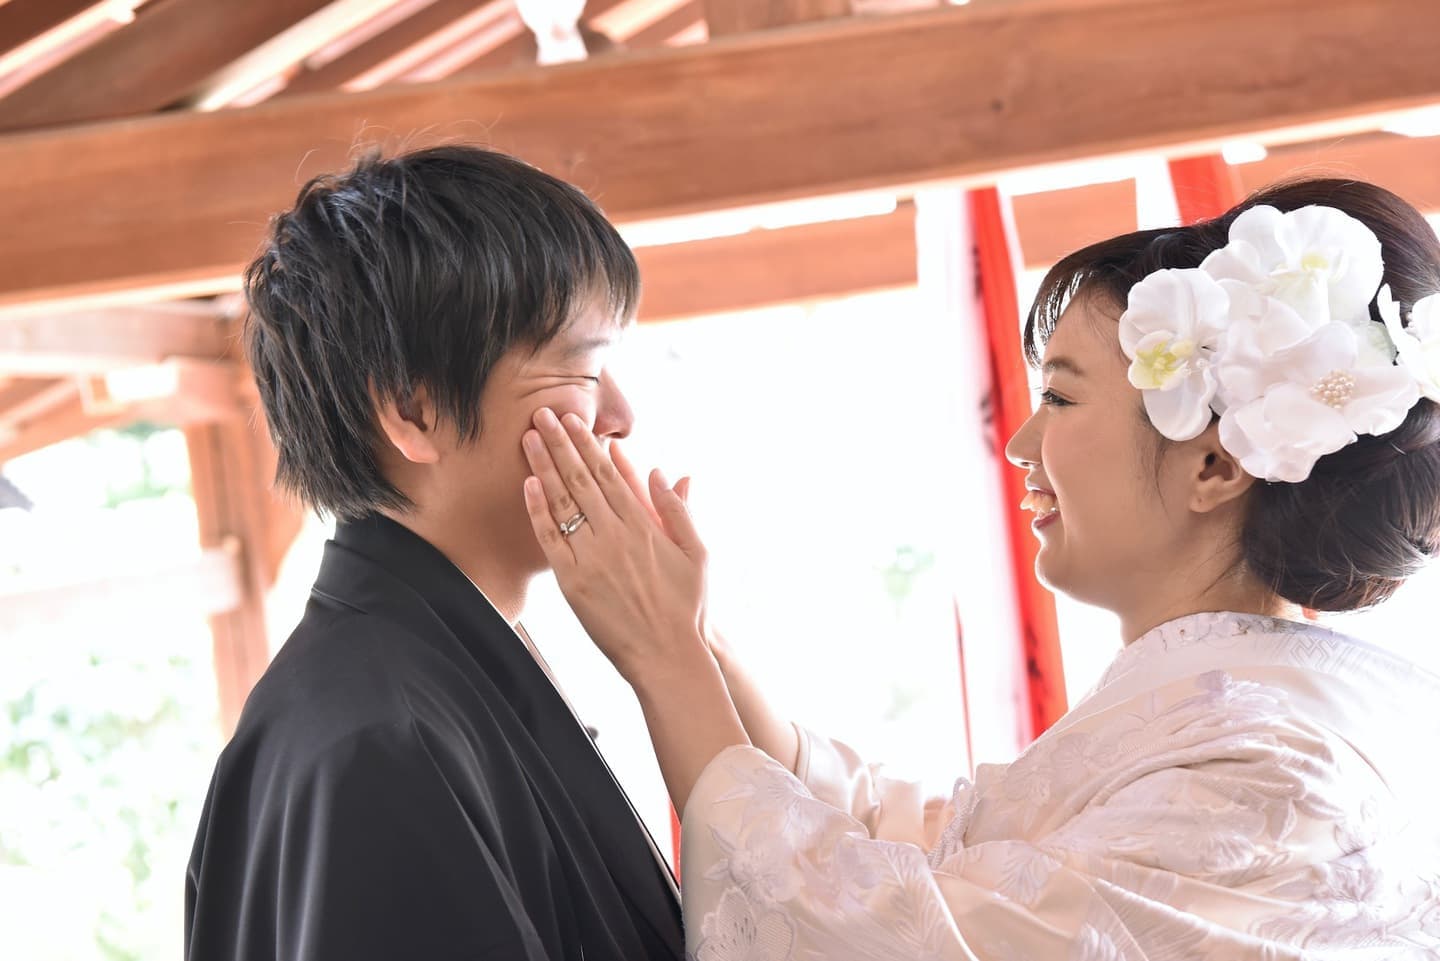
{"points": [[1236, 787]]}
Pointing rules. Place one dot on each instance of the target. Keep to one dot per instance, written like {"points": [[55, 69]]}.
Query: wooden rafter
{"points": [[764, 267], [70, 418], [25, 400], [119, 337], [264, 68], [703, 128], [725, 17], [666, 28], [393, 52], [170, 49], [20, 23]]}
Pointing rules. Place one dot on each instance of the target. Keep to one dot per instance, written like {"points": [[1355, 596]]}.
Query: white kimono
{"points": [[1236, 787]]}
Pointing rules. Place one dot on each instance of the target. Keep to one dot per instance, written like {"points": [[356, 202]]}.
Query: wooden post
{"points": [[231, 466]]}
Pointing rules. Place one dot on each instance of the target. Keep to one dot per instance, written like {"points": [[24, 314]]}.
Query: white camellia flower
{"points": [[1419, 343], [1320, 262], [1322, 393], [1170, 331]]}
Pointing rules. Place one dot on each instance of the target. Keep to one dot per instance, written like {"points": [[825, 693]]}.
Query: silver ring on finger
{"points": [[573, 524]]}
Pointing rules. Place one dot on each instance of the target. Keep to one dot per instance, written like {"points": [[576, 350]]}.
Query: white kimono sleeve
{"points": [[1200, 821]]}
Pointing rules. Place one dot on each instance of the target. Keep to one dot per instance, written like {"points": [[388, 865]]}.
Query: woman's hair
{"points": [[1368, 516], [417, 269]]}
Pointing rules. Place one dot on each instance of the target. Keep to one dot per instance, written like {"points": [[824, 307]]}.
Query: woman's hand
{"points": [[633, 569], [632, 566]]}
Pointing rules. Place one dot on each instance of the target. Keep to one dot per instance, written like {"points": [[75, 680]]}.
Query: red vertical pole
{"points": [[1040, 632], [675, 840], [1204, 187]]}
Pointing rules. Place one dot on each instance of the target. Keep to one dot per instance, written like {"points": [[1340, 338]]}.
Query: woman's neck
{"points": [[1237, 593]]}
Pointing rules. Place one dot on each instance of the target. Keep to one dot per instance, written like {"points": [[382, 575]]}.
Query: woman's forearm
{"points": [[691, 719], [768, 731]]}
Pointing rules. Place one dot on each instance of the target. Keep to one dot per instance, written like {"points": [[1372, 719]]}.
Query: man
{"points": [[405, 780]]}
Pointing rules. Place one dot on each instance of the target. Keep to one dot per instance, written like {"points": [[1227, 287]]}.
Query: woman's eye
{"points": [[1049, 397]]}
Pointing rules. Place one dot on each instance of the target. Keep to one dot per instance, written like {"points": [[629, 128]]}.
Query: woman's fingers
{"points": [[632, 478], [675, 516], [602, 469], [563, 506], [569, 471], [556, 547]]}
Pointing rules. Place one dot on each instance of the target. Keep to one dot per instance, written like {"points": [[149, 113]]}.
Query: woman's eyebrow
{"points": [[1056, 364]]}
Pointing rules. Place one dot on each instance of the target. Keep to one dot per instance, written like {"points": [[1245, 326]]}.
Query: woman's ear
{"points": [[409, 426], [1217, 478]]}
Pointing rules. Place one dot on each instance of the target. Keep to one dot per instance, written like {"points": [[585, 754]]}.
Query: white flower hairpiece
{"points": [[1273, 333]]}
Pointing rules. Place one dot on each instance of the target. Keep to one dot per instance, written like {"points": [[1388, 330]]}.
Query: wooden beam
{"points": [[1054, 223], [1408, 166], [395, 51], [71, 418], [725, 17], [259, 67], [95, 341], [765, 267], [661, 31], [27, 399], [22, 21], [170, 49], [754, 119]]}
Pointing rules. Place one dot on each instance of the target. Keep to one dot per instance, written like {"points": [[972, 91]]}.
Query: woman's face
{"points": [[1110, 511]]}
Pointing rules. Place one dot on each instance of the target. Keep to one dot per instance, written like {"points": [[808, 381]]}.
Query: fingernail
{"points": [[574, 422], [531, 440], [547, 417], [661, 475]]}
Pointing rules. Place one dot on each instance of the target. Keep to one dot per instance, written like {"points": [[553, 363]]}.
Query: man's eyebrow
{"points": [[1065, 364], [580, 348]]}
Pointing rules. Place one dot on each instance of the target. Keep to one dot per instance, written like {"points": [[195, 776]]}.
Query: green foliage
{"points": [[99, 765]]}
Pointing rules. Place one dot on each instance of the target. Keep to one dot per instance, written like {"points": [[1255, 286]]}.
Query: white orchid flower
{"points": [[1320, 262], [1170, 331], [1321, 394], [1419, 343]]}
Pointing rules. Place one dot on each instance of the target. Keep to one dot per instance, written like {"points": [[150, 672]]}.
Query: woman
{"points": [[1239, 422]]}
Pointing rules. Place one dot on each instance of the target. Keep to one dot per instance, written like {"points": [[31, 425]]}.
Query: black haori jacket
{"points": [[406, 782]]}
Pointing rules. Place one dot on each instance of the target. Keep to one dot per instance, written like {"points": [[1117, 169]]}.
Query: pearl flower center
{"points": [[1334, 389]]}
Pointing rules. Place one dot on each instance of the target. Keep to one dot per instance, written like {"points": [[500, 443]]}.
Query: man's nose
{"points": [[613, 416]]}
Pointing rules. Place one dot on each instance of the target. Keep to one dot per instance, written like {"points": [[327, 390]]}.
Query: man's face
{"points": [[479, 486]]}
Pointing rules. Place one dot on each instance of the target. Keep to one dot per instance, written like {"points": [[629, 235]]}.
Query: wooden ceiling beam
{"points": [[755, 119], [71, 418], [1409, 166], [97, 340], [726, 17], [21, 21], [788, 264], [1054, 223], [27, 399], [395, 51], [170, 49], [661, 31]]}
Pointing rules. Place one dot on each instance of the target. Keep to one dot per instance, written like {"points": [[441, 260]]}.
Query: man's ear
{"points": [[409, 426], [1217, 479]]}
